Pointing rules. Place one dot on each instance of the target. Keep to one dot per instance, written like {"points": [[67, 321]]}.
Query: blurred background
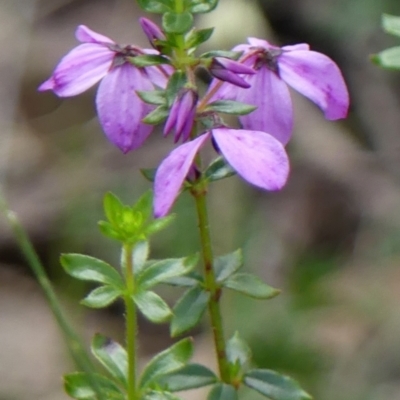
{"points": [[330, 239]]}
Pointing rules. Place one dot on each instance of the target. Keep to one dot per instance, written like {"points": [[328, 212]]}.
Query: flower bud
{"points": [[153, 32], [227, 70], [182, 114]]}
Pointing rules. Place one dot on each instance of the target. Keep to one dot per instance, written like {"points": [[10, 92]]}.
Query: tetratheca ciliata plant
{"points": [[143, 88]]}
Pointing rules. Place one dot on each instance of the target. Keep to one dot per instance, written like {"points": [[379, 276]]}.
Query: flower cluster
{"points": [[259, 78]]}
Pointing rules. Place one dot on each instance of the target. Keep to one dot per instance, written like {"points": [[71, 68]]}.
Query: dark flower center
{"points": [[268, 58], [122, 53]]}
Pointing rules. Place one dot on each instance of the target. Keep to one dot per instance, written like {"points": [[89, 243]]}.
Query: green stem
{"points": [[72, 340], [211, 284], [131, 320]]}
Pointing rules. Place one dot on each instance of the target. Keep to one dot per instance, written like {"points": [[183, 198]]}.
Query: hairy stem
{"points": [[131, 320], [211, 284]]}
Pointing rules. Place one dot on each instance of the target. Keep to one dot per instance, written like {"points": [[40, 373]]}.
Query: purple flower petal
{"points": [[274, 113], [86, 35], [80, 69], [159, 75], [294, 47], [317, 77], [172, 172], [255, 42], [120, 109], [256, 156]]}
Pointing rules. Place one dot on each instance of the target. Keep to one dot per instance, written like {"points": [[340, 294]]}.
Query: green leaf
{"points": [[155, 6], [197, 37], [228, 264], [238, 351], [389, 58], [112, 207], [156, 116], [189, 280], [144, 205], [101, 297], [157, 395], [250, 285], [149, 173], [152, 306], [162, 270], [275, 386], [222, 391], [148, 60], [191, 376], [88, 268], [139, 255], [188, 310], [218, 169], [202, 6], [176, 82], [107, 229], [112, 356], [169, 360], [234, 55], [79, 385], [391, 24], [231, 107], [158, 224], [173, 22], [156, 97]]}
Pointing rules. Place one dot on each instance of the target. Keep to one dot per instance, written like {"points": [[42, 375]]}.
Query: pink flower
{"points": [[120, 110], [256, 156], [312, 74]]}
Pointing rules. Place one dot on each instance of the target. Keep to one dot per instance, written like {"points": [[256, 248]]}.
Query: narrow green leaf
{"points": [[188, 310], [144, 205], [112, 356], [177, 22], [218, 169], [234, 55], [101, 297], [389, 58], [202, 6], [238, 351], [191, 376], [231, 107], [189, 280], [139, 255], [197, 37], [162, 270], [108, 230], [391, 24], [222, 391], [152, 306], [250, 285], [155, 6], [149, 173], [228, 264], [88, 268], [148, 60], [156, 116], [176, 82], [78, 386], [157, 395], [156, 97], [112, 207], [275, 386], [158, 224], [170, 360]]}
